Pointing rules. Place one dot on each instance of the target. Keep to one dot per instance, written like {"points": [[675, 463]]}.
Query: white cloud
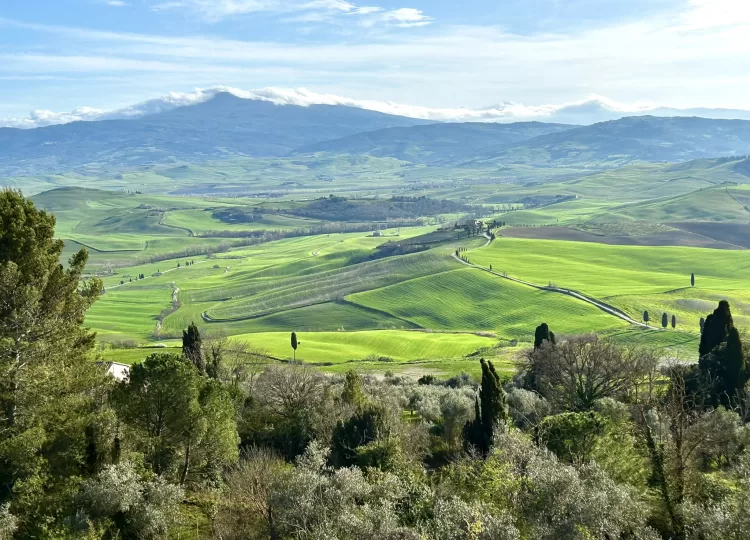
{"points": [[306, 10], [705, 14], [115, 3], [593, 109], [666, 58]]}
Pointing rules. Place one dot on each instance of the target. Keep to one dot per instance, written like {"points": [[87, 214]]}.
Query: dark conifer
{"points": [[490, 409], [192, 347], [542, 334]]}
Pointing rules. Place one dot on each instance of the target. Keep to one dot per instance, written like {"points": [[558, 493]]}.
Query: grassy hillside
{"points": [[632, 278], [469, 299]]}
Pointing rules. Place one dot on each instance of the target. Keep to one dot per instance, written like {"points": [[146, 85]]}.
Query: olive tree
{"points": [[574, 374]]}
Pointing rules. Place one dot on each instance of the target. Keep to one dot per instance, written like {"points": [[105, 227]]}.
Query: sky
{"points": [[87, 56]]}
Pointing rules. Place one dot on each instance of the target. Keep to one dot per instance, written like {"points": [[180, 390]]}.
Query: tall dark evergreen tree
{"points": [[542, 334], [674, 321], [716, 328], [295, 344], [722, 359], [645, 316], [692, 280], [192, 347], [490, 409], [664, 320], [46, 376]]}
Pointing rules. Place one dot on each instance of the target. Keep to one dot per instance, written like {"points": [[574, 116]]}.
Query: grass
{"points": [[121, 315], [470, 299], [393, 345], [634, 279], [604, 270]]}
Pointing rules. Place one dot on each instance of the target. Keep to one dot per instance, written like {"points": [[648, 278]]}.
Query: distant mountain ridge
{"points": [[634, 139], [606, 144], [436, 144], [221, 127], [227, 126]]}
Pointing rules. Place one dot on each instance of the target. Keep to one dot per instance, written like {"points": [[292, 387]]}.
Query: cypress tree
{"points": [[192, 347], [692, 280], [734, 377], [674, 321], [295, 344], [490, 408], [664, 320], [542, 334], [716, 328], [645, 316]]}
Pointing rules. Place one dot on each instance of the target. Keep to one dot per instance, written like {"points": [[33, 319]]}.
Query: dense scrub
{"points": [[335, 208]]}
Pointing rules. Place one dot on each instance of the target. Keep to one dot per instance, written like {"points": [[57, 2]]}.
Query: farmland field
{"points": [[629, 238], [632, 278]]}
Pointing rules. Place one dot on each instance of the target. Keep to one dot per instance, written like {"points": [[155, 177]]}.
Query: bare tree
{"points": [[675, 434], [579, 371], [234, 362], [286, 391], [247, 509]]}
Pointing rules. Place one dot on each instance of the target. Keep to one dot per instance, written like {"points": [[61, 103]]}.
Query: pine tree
{"points": [[46, 377], [192, 347]]}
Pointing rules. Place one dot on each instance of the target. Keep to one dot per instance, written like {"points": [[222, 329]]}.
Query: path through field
{"points": [[575, 294]]}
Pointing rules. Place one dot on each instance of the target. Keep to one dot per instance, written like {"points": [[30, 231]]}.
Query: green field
{"points": [[632, 278], [352, 303], [469, 299]]}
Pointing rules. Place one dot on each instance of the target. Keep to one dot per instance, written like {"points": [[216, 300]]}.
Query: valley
{"points": [[347, 233]]}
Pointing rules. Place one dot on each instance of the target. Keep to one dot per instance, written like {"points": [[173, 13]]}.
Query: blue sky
{"points": [[59, 55]]}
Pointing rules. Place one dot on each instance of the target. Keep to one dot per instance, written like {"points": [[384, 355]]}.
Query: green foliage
{"points": [[46, 378], [491, 410], [542, 334], [192, 348], [572, 436], [353, 392], [120, 503], [363, 428], [182, 422], [716, 328]]}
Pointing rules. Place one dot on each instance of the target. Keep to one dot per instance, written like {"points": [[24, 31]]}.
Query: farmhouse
{"points": [[119, 371]]}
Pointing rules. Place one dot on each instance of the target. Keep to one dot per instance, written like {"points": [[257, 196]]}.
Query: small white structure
{"points": [[119, 371]]}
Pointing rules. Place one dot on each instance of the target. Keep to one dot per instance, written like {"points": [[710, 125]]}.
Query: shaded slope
{"points": [[435, 143], [223, 126]]}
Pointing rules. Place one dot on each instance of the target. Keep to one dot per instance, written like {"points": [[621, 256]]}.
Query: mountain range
{"points": [[226, 126]]}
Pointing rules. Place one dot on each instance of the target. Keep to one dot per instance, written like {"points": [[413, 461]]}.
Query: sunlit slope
{"points": [[337, 347], [469, 299], [633, 278]]}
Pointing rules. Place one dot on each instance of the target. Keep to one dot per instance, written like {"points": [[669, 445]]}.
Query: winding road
{"points": [[611, 310]]}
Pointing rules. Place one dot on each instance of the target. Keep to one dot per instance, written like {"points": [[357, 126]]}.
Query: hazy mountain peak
{"points": [[592, 109]]}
